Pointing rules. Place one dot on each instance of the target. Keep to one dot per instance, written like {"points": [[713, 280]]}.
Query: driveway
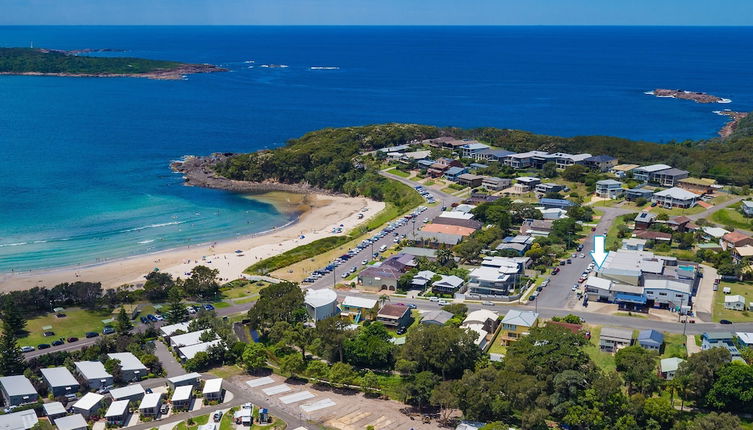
{"points": [[169, 363], [704, 298]]}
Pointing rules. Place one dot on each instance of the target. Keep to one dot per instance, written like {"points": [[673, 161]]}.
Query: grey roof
{"points": [[677, 194], [71, 422], [497, 152], [670, 364], [439, 316], [650, 337], [420, 252], [127, 391], [59, 377], [600, 158], [186, 377], [654, 168], [645, 217], [128, 361], [17, 385], [616, 333], [23, 420], [53, 408], [674, 172], [92, 370], [117, 408], [608, 182], [451, 281], [454, 171], [520, 318]]}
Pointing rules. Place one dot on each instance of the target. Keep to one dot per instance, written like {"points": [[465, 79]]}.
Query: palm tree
{"points": [[384, 298], [445, 257]]}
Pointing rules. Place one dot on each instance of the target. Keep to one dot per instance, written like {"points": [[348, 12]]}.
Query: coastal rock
{"points": [[731, 125], [696, 96]]}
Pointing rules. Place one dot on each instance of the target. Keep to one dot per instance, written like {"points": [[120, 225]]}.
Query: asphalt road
{"points": [[558, 294]]}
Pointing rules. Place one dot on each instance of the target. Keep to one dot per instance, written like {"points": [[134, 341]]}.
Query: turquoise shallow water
{"points": [[84, 170]]}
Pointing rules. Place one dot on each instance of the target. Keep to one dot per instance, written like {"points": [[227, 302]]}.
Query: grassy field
{"points": [[226, 372], [731, 217], [398, 172], [227, 420], [674, 346], [241, 288], [604, 360], [613, 241], [77, 322], [200, 420], [744, 289]]}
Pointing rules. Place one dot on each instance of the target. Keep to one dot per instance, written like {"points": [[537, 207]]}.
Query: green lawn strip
{"points": [[241, 288], [390, 385], [198, 421], [227, 371], [227, 420], [246, 300], [674, 346], [604, 360], [744, 289], [679, 211], [612, 240], [731, 217], [76, 323], [398, 172]]}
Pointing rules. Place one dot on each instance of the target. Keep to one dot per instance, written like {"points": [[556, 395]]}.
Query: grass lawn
{"points": [[398, 172], [226, 423], [226, 372], [604, 360], [390, 385], [201, 420], [613, 242], [241, 288], [679, 211], [730, 216], [744, 289], [674, 346], [77, 322]]}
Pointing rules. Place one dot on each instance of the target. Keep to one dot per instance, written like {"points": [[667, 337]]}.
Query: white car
{"points": [[575, 287], [27, 348]]}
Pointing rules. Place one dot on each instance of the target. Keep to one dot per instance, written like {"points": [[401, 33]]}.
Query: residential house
{"points": [[495, 184], [190, 351], [734, 302], [94, 373], [213, 390], [679, 223], [633, 244], [473, 149], [458, 230], [549, 187], [613, 339], [498, 155], [598, 289], [117, 413], [427, 239], [470, 180], [72, 422], [169, 330], [623, 170], [429, 254], [321, 304], [525, 184], [651, 340], [447, 285], [745, 339], [150, 405], [669, 177], [720, 340], [747, 207], [441, 166], [384, 276], [536, 227], [644, 220], [484, 323], [182, 397], [130, 367], [497, 276], [564, 160], [638, 193], [53, 410], [608, 188], [675, 198], [133, 392], [17, 390], [736, 239], [523, 160], [23, 420], [356, 307], [394, 315], [713, 233], [602, 163], [516, 324], [668, 367], [454, 172], [437, 317], [666, 293], [60, 381], [556, 203], [422, 279], [741, 252], [478, 198], [656, 236], [186, 379], [425, 164], [189, 339], [478, 166], [644, 173], [462, 222], [88, 405], [396, 148], [519, 244], [697, 185]]}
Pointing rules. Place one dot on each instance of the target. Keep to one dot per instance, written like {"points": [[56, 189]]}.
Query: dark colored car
{"points": [[72, 339], [401, 330], [556, 271], [108, 330], [725, 322], [43, 346], [90, 334], [144, 320], [209, 307], [151, 318], [412, 306], [49, 333], [57, 342]]}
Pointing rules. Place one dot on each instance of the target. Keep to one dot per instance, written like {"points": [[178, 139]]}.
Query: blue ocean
{"points": [[85, 163]]}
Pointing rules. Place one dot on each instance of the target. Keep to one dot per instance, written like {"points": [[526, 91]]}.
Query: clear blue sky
{"points": [[378, 12]]}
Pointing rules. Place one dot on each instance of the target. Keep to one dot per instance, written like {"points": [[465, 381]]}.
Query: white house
{"points": [[150, 404], [189, 352], [17, 390], [667, 293], [735, 302], [213, 390], [182, 397], [187, 379], [89, 404], [613, 339], [608, 188], [72, 422], [117, 413], [94, 373], [321, 304], [61, 381], [675, 198], [747, 207], [447, 285], [129, 392], [53, 410], [668, 367], [188, 339], [168, 330], [131, 368], [23, 420]]}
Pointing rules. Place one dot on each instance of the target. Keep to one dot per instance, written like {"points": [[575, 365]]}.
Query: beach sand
{"points": [[321, 214]]}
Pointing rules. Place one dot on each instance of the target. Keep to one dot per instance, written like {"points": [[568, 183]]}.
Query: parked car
{"points": [[91, 334], [725, 322], [144, 320], [49, 333], [27, 348], [217, 416], [165, 407], [58, 342], [556, 271], [151, 318], [43, 346], [72, 339], [209, 307], [159, 317], [401, 330], [487, 303], [412, 306], [108, 330]]}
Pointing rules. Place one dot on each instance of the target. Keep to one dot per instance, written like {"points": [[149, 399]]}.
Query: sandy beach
{"points": [[324, 212]]}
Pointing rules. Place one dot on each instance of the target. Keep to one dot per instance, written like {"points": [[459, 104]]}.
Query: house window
{"points": [[662, 294]]}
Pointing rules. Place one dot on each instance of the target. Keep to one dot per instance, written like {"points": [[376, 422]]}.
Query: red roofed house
{"points": [[385, 275], [394, 315], [735, 239], [654, 235]]}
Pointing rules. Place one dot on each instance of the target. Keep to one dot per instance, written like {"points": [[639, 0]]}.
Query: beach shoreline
{"points": [[322, 213]]}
